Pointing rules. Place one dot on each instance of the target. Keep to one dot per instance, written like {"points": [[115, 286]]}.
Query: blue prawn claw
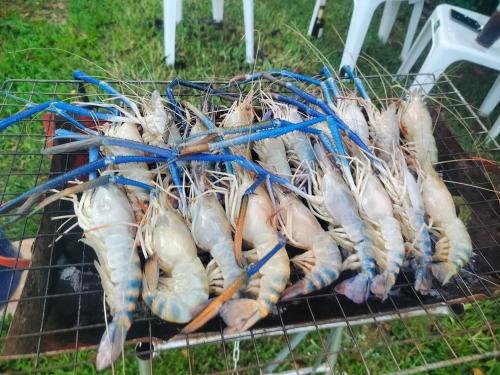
{"points": [[75, 173]]}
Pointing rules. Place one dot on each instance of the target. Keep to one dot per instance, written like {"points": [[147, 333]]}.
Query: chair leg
{"points": [[317, 5], [391, 9], [217, 10], [179, 11], [416, 50], [434, 65], [169, 18], [491, 100], [495, 129], [412, 28], [362, 14], [249, 40]]}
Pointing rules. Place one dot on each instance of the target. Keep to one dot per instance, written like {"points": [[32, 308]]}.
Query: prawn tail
{"points": [[241, 314], [318, 278], [112, 341], [356, 288], [382, 284], [297, 289], [423, 279], [443, 271]]}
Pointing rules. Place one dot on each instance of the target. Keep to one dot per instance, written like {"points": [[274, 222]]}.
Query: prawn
{"points": [[158, 126], [454, 247], [321, 262], [210, 227], [241, 314], [416, 125], [340, 204], [300, 152], [404, 191], [176, 296], [107, 219], [376, 206]]}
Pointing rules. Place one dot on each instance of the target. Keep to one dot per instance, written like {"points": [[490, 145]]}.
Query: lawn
{"points": [[123, 40]]}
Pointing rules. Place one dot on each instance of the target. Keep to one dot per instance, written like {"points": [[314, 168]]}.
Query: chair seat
{"points": [[452, 34]]}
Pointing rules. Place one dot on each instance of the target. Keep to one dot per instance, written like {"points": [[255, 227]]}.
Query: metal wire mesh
{"points": [[408, 333]]}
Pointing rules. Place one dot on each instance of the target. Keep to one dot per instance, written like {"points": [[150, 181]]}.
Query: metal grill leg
{"points": [[144, 356], [332, 347], [294, 342]]}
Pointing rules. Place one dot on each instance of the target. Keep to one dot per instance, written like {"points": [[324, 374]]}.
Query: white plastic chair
{"points": [[362, 15], [172, 14], [452, 42]]}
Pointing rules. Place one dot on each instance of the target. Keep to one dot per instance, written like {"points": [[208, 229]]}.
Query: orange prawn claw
{"points": [[213, 308], [238, 235]]}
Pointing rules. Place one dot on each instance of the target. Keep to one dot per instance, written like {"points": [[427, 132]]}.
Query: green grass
{"points": [[123, 40]]}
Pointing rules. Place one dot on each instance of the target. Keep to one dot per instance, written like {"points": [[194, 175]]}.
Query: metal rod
{"points": [[449, 362], [180, 341]]}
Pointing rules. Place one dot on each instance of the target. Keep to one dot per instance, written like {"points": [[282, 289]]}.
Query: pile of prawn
{"points": [[349, 184]]}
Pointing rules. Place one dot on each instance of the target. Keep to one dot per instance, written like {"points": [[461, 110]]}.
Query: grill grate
{"points": [[408, 333]]}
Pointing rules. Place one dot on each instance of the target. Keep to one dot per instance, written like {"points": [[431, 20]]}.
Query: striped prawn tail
{"points": [[113, 340]]}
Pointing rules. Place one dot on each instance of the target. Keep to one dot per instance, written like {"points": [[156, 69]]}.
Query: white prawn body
{"points": [[354, 118], [297, 141], [185, 286], [272, 154], [242, 313], [299, 147], [377, 207], [106, 217]]}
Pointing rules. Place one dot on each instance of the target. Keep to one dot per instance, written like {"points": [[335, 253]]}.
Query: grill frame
{"points": [[457, 108]]}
